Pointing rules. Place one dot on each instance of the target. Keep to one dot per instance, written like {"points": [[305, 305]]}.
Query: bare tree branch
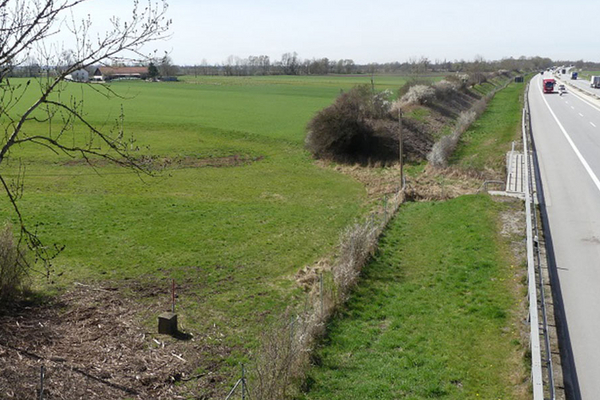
{"points": [[26, 27]]}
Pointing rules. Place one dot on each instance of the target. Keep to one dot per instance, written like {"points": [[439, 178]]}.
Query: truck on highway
{"points": [[548, 85], [595, 81], [574, 75]]}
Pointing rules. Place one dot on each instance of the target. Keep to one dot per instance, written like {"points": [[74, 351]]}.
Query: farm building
{"points": [[81, 75], [109, 73]]}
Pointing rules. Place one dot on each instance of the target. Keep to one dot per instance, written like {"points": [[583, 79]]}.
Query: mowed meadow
{"points": [[237, 210]]}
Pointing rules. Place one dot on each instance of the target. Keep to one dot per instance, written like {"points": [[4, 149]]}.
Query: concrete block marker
{"points": [[167, 323]]}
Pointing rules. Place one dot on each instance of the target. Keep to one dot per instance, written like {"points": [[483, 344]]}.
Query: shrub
{"points": [[338, 131], [418, 94], [346, 132], [465, 119], [413, 82], [381, 104], [445, 89], [12, 265], [442, 150], [357, 244]]}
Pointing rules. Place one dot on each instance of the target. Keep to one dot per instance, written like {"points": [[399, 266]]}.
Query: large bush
{"points": [[350, 130]]}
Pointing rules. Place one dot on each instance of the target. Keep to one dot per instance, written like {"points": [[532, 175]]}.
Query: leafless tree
{"points": [[478, 67], [26, 32], [166, 66], [290, 63]]}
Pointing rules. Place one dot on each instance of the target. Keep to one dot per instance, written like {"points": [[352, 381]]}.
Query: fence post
{"points": [[321, 292], [243, 383], [173, 296], [292, 322], [385, 201], [42, 383]]}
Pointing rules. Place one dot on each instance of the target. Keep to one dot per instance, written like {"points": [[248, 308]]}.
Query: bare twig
{"points": [[25, 28]]}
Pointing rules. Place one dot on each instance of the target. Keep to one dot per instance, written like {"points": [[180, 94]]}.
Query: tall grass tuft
{"points": [[12, 266], [443, 148]]}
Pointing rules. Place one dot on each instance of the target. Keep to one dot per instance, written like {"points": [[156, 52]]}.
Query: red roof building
{"points": [[109, 73]]}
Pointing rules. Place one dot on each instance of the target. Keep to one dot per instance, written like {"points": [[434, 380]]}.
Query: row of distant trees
{"points": [[289, 64], [157, 67], [292, 64]]}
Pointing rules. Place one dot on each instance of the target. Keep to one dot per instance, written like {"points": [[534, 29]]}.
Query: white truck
{"points": [[595, 81]]}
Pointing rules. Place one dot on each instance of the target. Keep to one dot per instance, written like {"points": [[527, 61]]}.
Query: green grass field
{"points": [[434, 314], [232, 236], [587, 74]]}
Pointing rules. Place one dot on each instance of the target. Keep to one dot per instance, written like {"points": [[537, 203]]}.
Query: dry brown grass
{"points": [[378, 181], [443, 184], [13, 266]]}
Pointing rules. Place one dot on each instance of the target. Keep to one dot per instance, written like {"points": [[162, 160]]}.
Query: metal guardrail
{"points": [[536, 355], [533, 267]]}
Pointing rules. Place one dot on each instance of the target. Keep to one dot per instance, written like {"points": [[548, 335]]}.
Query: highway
{"points": [[583, 84], [566, 131]]}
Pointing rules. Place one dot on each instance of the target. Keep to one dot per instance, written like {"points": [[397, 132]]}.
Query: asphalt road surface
{"points": [[566, 131], [583, 84]]}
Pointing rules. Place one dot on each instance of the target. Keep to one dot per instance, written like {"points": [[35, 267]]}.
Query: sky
{"points": [[369, 30]]}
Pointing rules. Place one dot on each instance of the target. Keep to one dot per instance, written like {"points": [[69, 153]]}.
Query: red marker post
{"points": [[173, 297]]}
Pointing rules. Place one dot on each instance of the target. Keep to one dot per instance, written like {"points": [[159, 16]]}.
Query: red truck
{"points": [[549, 85]]}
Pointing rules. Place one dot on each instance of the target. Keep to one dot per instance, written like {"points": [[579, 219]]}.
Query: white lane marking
{"points": [[581, 114], [575, 149], [592, 124], [566, 102], [572, 107], [585, 101]]}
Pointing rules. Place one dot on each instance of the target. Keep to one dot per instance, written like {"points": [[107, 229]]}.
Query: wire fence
{"points": [[242, 385], [286, 348]]}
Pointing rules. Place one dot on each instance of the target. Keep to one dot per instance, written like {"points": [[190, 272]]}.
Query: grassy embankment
{"points": [[438, 311], [239, 210], [587, 74], [485, 143]]}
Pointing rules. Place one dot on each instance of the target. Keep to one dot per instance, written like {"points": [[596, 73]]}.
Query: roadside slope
{"points": [[434, 315], [440, 310]]}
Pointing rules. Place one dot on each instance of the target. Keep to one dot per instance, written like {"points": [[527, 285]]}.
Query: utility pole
{"points": [[400, 149], [373, 82]]}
